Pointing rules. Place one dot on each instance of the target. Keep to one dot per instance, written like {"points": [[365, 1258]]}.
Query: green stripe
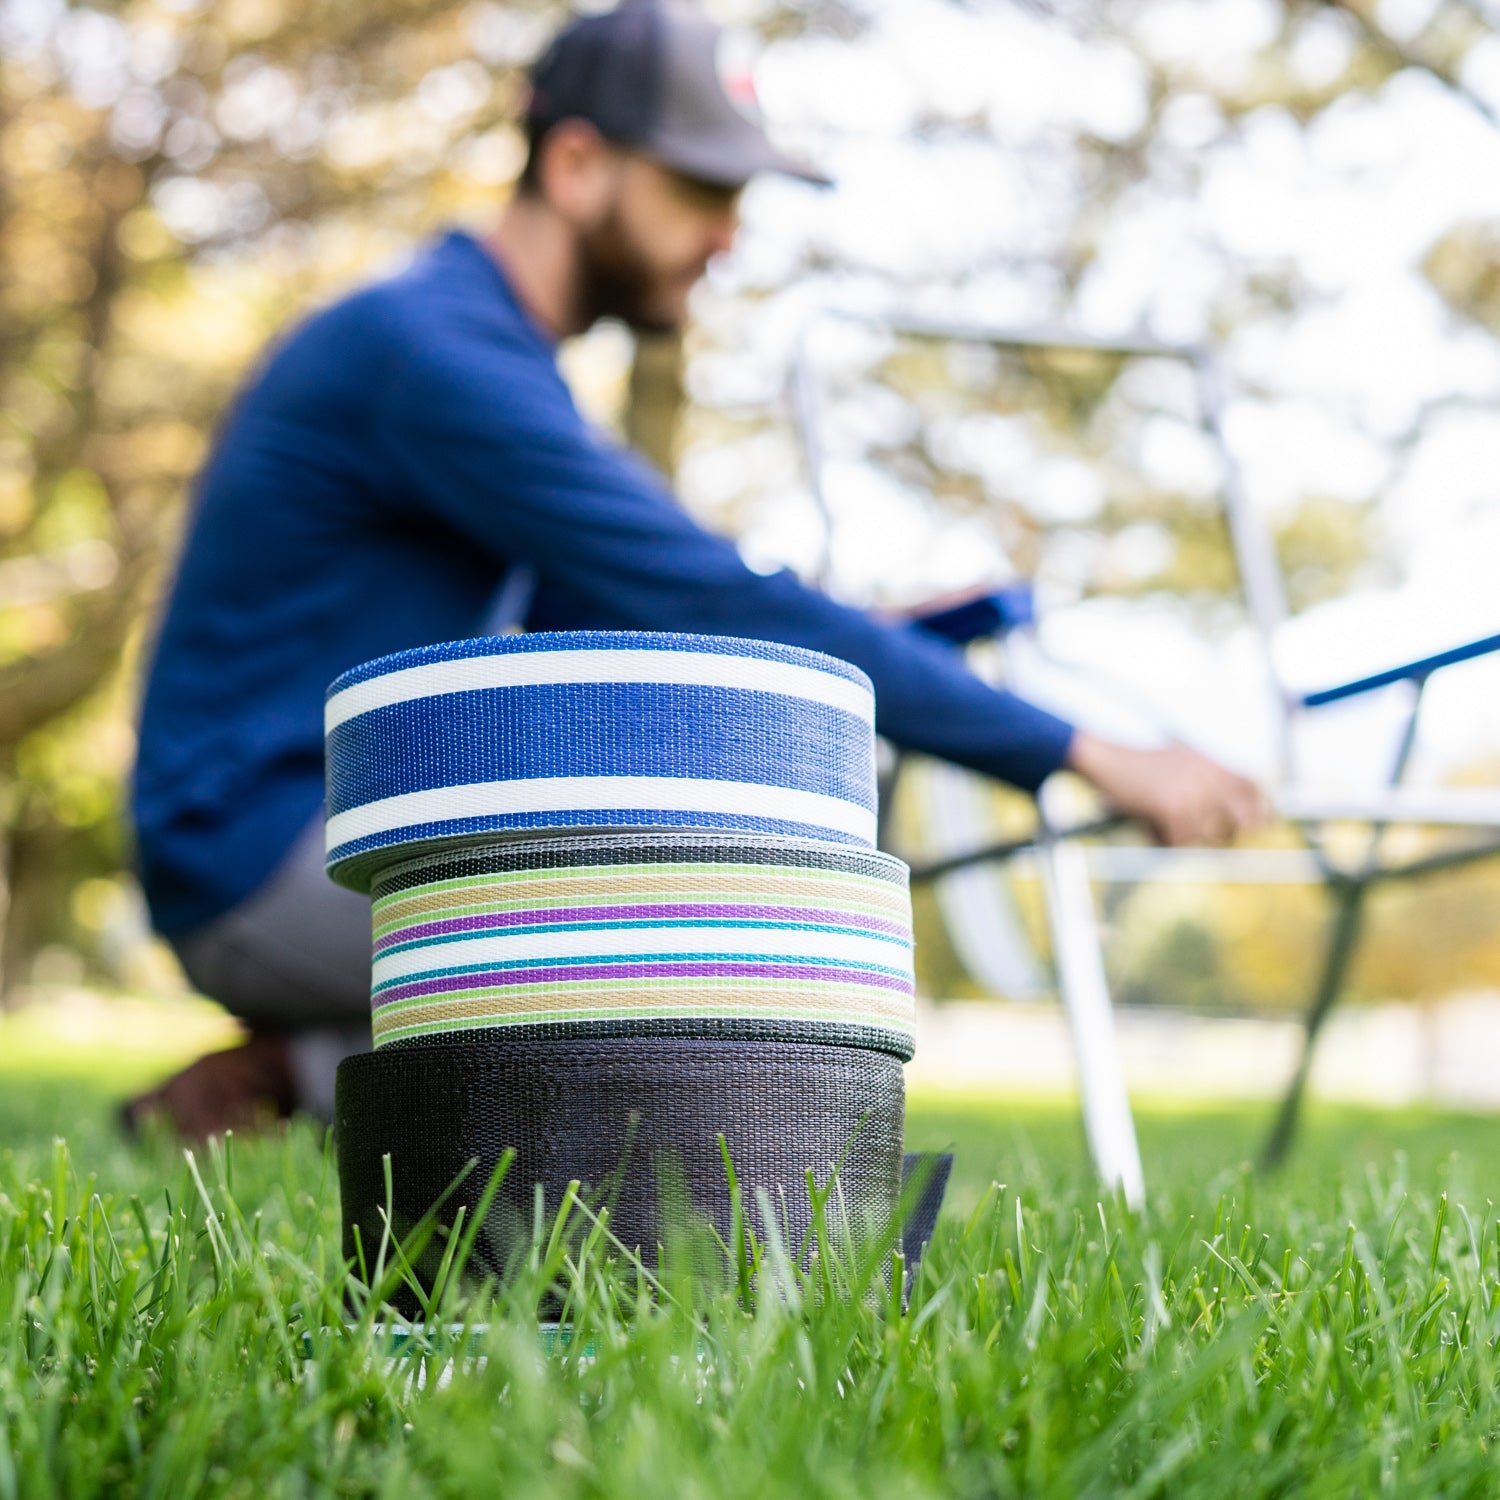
{"points": [[697, 1013], [573, 872], [651, 876], [894, 912]]}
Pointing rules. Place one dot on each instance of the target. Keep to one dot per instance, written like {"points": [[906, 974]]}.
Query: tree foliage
{"points": [[180, 178]]}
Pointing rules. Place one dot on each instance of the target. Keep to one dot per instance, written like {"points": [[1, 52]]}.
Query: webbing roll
{"points": [[596, 730], [646, 935], [638, 1125]]}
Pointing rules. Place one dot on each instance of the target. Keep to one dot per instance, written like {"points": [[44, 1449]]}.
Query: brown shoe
{"points": [[240, 1089]]}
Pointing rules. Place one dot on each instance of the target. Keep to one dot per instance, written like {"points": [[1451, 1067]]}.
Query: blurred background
{"points": [[1312, 190]]}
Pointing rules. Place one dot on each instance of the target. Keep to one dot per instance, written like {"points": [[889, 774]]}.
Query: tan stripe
{"points": [[439, 1015], [698, 909], [876, 898], [647, 1000]]}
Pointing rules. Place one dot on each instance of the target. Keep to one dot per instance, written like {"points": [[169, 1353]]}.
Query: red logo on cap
{"points": [[734, 60], [741, 88]]}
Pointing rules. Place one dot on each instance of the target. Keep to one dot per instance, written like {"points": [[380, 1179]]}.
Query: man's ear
{"points": [[577, 172]]}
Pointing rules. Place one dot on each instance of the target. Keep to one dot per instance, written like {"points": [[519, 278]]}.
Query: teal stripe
{"points": [[644, 958], [645, 925]]}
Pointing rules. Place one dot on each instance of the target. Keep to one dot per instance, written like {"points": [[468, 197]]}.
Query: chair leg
{"points": [[1349, 898], [1085, 994]]}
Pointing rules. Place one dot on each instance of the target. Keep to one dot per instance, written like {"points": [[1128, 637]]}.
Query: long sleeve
{"points": [[482, 431]]}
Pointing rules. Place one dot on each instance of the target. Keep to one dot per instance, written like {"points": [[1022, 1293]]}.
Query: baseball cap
{"points": [[658, 77]]}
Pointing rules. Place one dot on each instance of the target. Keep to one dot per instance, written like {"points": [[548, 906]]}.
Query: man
{"points": [[409, 449]]}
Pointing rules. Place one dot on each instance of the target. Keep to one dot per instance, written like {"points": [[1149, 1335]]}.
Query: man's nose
{"points": [[721, 231]]}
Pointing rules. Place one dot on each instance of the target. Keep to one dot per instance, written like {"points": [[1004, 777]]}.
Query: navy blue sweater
{"points": [[397, 455]]}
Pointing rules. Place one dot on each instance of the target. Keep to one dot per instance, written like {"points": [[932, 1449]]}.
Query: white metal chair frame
{"points": [[1056, 846]]}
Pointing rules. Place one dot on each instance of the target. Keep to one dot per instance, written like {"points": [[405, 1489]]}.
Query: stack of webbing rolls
{"points": [[625, 898]]}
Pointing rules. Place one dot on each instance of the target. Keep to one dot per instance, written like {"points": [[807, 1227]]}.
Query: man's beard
{"points": [[616, 281]]}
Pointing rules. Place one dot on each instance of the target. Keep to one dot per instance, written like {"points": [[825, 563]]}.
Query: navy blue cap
{"points": [[658, 77]]}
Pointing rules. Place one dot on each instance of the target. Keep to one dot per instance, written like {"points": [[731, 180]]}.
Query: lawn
{"points": [[1330, 1331]]}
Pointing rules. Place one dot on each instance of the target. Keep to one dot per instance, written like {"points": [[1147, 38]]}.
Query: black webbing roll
{"points": [[924, 1181], [567, 1107]]}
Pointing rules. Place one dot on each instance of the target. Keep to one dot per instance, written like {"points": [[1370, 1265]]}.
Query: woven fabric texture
{"points": [[638, 1125], [544, 733], [722, 951], [646, 935]]}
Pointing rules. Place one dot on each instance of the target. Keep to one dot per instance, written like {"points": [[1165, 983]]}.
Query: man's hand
{"points": [[1182, 796]]}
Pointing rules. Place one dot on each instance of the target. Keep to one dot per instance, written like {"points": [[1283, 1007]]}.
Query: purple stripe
{"points": [[497, 978], [601, 914]]}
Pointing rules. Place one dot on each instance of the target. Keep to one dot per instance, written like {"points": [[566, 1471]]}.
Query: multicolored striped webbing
{"points": [[646, 935]]}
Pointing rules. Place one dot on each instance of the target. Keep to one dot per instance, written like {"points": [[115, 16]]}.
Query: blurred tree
{"points": [[178, 178], [1148, 179], [1184, 968], [654, 404], [1464, 266]]}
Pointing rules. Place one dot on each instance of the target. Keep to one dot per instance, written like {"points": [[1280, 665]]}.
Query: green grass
{"points": [[1331, 1331]]}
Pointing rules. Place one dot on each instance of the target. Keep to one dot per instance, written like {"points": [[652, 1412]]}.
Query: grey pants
{"points": [[293, 957]]}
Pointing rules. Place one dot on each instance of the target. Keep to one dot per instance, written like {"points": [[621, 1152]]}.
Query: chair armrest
{"points": [[978, 616], [1436, 807], [1009, 848], [1412, 671]]}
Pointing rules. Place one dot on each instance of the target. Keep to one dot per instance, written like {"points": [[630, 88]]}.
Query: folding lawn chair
{"points": [[974, 899]]}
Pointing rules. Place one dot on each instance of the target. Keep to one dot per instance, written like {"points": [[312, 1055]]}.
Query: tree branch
{"points": [[1408, 56]]}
